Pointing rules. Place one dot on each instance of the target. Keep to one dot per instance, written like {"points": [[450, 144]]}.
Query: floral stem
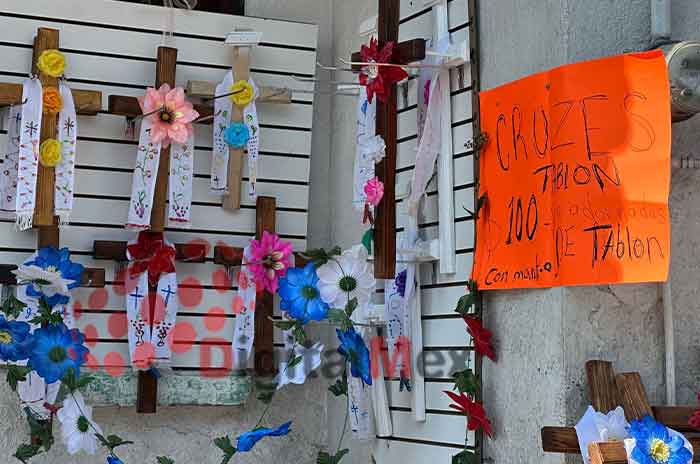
{"points": [[262, 416], [345, 427]]}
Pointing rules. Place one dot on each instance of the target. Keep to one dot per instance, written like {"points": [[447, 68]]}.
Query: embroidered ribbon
{"points": [[65, 170], [180, 183], [223, 109], [244, 308], [22, 154], [360, 404], [151, 264], [369, 151]]}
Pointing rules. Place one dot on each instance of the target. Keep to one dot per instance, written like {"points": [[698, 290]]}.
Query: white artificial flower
{"points": [[346, 277], [373, 147], [77, 428], [49, 281], [311, 359]]}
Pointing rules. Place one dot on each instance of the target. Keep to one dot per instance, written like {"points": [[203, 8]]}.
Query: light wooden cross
{"points": [[147, 390], [385, 220], [608, 390], [87, 102]]}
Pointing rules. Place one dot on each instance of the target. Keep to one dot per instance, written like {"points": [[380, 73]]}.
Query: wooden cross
{"points": [[608, 390], [87, 102], [147, 390], [385, 220]]}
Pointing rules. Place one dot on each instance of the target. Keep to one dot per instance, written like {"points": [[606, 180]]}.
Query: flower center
{"points": [[5, 337], [57, 354], [659, 450], [348, 283], [51, 269], [309, 292], [372, 71], [166, 116], [83, 424]]}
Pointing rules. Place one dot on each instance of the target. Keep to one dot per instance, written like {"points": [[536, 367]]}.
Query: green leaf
{"points": [[265, 391], [225, 445], [295, 361], [325, 458], [116, 441], [340, 387], [465, 457], [46, 315], [285, 325], [70, 380], [16, 374], [466, 382], [320, 256], [12, 307], [367, 240], [25, 452], [465, 303], [165, 460], [350, 307], [40, 431], [339, 317], [299, 334]]}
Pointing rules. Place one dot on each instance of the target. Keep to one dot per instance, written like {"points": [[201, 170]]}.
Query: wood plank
{"points": [[602, 389], [406, 52], [91, 278], [264, 329], [207, 89], [112, 250], [633, 396], [560, 440], [611, 452], [675, 417], [87, 102]]}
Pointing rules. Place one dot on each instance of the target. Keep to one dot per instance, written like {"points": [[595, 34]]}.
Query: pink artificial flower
{"points": [[172, 115], [374, 189], [269, 261]]}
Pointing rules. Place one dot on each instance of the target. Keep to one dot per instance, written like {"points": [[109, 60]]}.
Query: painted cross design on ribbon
{"points": [[167, 292], [137, 297]]}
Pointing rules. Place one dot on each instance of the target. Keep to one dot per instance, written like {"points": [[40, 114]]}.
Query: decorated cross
{"points": [[385, 222]]}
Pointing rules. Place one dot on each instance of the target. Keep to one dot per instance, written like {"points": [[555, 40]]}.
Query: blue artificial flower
{"points": [[114, 460], [300, 296], [54, 260], [655, 444], [57, 349], [353, 347], [247, 441], [400, 282], [15, 340], [237, 135]]}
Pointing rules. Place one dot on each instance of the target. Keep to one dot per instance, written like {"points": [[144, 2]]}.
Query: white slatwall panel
{"points": [[447, 345], [111, 46]]}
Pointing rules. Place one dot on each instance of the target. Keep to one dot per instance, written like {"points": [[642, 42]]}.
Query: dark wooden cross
{"points": [[385, 220], [87, 102], [147, 390]]}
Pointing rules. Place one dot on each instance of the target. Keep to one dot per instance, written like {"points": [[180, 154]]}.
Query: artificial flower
{"points": [[310, 360], [172, 115], [655, 443], [52, 100], [15, 340], [299, 294], [242, 93], [151, 253], [400, 282], [114, 460], [269, 260], [77, 427], [694, 419], [374, 189], [51, 62], [56, 350], [52, 274], [346, 277], [353, 347], [481, 336], [237, 135], [247, 441], [372, 147], [50, 153], [476, 415], [379, 79]]}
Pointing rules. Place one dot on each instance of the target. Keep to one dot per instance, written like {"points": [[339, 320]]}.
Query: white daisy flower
{"points": [[49, 280], [77, 428], [346, 277]]}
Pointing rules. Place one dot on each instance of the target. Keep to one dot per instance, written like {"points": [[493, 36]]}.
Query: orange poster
{"points": [[574, 179]]}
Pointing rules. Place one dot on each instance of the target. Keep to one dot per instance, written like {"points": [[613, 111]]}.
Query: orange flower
{"points": [[52, 100]]}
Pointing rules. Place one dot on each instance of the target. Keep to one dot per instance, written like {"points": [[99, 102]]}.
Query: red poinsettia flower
{"points": [[151, 253], [481, 336], [379, 79], [476, 415]]}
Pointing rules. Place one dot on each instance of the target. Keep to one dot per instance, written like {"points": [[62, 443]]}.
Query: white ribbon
{"points": [[596, 426], [67, 131], [360, 404], [244, 324], [180, 183], [370, 149]]}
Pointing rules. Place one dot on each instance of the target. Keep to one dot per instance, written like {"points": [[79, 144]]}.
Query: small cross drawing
{"points": [[68, 126], [167, 292], [354, 410], [136, 296], [31, 128]]}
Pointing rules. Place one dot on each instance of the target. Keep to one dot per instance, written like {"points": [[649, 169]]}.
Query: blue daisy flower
{"points": [[58, 261], [247, 441], [114, 460], [655, 444], [56, 350], [353, 347], [299, 294], [237, 135], [15, 340]]}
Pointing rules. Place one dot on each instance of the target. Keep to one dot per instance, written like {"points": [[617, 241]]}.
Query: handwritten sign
{"points": [[574, 180]]}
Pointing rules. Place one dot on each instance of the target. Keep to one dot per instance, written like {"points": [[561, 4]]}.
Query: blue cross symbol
{"points": [[354, 410], [136, 297], [167, 292]]}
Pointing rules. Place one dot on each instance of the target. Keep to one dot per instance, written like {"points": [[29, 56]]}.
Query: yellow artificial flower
{"points": [[244, 93], [52, 63], [52, 100], [50, 153]]}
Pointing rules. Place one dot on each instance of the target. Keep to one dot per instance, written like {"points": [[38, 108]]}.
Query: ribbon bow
{"points": [[151, 253]]}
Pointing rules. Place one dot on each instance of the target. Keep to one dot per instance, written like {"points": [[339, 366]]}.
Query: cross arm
{"points": [[116, 251], [87, 102], [92, 277], [225, 255], [205, 89]]}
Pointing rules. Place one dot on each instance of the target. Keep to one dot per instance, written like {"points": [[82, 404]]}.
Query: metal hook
{"points": [[223, 95], [332, 68], [12, 105]]}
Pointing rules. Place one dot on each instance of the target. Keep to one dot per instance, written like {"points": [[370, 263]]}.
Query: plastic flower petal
{"points": [[243, 93], [15, 340], [353, 347], [172, 114], [57, 349], [400, 282], [52, 100], [50, 153], [269, 260], [237, 135], [346, 277], [310, 360], [655, 443], [51, 62], [247, 441], [52, 274], [374, 189], [481, 336], [476, 415], [299, 295], [379, 79], [114, 460], [77, 427]]}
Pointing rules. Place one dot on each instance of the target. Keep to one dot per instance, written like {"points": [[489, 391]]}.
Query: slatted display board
{"points": [[111, 46], [447, 346]]}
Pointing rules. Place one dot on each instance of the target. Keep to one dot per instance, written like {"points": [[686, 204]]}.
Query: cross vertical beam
{"points": [[264, 329]]}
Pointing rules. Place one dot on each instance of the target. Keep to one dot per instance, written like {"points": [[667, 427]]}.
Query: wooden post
{"points": [[602, 391], [264, 330]]}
